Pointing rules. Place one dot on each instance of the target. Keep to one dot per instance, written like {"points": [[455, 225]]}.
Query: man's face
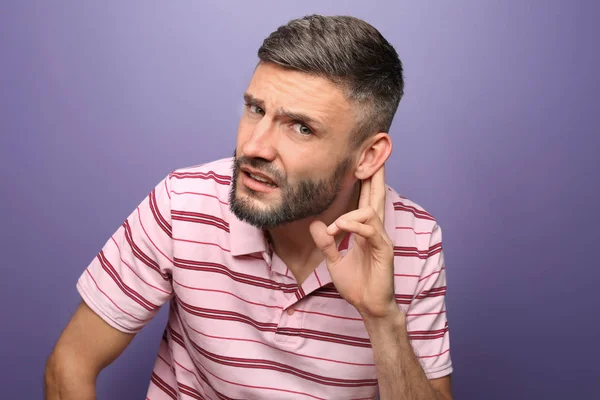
{"points": [[292, 157]]}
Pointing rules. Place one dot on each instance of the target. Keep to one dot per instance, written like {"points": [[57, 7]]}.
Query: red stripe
{"points": [[280, 367], [149, 238], [127, 290], [316, 276], [220, 179], [272, 327], [435, 355], [415, 249], [426, 337], [172, 393], [220, 395], [209, 217], [434, 331], [434, 292], [203, 194], [399, 206], [200, 221], [205, 243], [264, 305], [412, 229], [134, 271], [433, 273], [190, 391], [422, 314], [111, 300], [228, 293], [160, 220], [280, 349], [226, 316], [139, 254], [417, 210], [416, 253], [326, 336], [236, 276]]}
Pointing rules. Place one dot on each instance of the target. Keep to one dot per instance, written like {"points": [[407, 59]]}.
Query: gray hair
{"points": [[350, 53]]}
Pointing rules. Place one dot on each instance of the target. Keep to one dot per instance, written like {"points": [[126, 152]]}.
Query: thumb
{"points": [[324, 241]]}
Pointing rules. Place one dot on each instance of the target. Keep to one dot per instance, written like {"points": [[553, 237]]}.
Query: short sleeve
{"points": [[130, 278], [427, 322]]}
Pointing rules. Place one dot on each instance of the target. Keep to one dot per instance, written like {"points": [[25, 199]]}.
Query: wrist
{"points": [[392, 321]]}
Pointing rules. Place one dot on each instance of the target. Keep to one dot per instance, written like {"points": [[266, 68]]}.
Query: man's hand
{"points": [[364, 276]]}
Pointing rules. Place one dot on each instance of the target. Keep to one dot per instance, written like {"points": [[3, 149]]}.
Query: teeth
{"points": [[261, 179]]}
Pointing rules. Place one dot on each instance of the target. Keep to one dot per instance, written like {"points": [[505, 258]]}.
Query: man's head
{"points": [[318, 109]]}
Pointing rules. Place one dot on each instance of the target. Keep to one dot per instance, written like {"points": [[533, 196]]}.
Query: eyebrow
{"points": [[300, 117]]}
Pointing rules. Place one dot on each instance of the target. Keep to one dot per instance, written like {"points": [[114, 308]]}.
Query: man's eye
{"points": [[302, 129], [256, 110]]}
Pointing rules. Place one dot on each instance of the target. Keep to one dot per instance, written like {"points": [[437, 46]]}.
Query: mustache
{"points": [[261, 165]]}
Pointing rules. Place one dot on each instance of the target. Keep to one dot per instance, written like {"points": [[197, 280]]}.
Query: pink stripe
{"points": [[265, 387], [224, 292], [250, 386], [435, 355], [329, 315], [279, 349], [433, 273], [148, 236], [207, 243], [135, 273], [200, 382], [413, 229], [430, 313], [202, 194], [111, 300]]}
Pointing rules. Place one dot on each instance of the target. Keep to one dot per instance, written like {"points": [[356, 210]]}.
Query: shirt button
{"points": [[290, 311]]}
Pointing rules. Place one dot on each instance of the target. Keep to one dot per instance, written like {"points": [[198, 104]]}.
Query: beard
{"points": [[303, 199]]}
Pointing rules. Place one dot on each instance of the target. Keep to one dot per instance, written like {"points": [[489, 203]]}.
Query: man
{"points": [[291, 269]]}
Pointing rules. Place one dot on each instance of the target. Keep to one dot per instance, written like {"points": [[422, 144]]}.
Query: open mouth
{"points": [[258, 181]]}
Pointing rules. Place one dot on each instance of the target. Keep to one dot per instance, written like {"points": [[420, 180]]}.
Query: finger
{"points": [[369, 232], [324, 242], [377, 198], [366, 215], [365, 193]]}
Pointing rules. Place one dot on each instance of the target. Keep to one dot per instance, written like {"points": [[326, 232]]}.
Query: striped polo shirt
{"points": [[239, 326]]}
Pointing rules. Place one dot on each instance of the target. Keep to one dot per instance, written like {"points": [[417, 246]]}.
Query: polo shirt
{"points": [[239, 325]]}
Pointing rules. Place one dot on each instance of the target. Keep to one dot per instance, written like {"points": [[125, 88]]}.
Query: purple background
{"points": [[497, 136]]}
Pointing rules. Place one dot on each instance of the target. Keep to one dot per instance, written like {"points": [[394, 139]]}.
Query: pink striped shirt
{"points": [[239, 324]]}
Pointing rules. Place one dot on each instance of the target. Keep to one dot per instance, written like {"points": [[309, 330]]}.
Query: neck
{"points": [[293, 243]]}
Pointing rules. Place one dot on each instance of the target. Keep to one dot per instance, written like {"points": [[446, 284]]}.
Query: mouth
{"points": [[256, 181]]}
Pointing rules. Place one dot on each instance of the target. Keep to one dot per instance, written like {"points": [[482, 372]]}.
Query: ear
{"points": [[376, 150]]}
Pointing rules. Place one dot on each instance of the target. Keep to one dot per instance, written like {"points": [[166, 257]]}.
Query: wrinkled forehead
{"points": [[296, 91]]}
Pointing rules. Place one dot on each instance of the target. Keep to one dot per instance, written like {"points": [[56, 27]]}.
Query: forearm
{"points": [[68, 382], [399, 374]]}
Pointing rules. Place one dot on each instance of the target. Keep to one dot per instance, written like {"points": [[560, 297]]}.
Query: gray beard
{"points": [[307, 198]]}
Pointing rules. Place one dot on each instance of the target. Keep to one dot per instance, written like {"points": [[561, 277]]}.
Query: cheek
{"points": [[244, 133]]}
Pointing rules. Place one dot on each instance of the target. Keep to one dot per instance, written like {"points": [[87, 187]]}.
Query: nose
{"points": [[261, 143]]}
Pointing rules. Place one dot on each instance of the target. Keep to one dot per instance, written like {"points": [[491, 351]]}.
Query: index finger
{"points": [[377, 197], [364, 199]]}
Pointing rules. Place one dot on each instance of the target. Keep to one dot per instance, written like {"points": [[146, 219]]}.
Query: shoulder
{"points": [[201, 188], [407, 215], [209, 176]]}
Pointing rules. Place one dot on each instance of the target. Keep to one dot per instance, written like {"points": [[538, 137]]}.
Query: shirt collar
{"points": [[245, 238]]}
